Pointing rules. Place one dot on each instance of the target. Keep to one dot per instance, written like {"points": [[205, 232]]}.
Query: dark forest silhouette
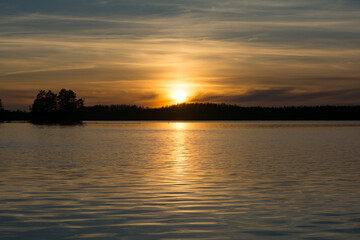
{"points": [[63, 107], [6, 115], [66, 108], [211, 111], [2, 111]]}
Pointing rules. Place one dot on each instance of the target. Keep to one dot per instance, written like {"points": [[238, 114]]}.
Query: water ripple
{"points": [[195, 181]]}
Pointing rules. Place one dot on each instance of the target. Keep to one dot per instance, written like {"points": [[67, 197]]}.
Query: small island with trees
{"points": [[65, 108]]}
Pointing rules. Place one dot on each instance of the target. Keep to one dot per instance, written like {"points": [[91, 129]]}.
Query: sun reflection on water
{"points": [[179, 125], [179, 148], [179, 180]]}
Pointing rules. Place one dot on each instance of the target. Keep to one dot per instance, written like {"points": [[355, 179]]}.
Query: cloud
{"points": [[218, 45], [286, 97]]}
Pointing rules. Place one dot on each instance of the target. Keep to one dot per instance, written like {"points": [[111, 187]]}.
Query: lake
{"points": [[180, 180]]}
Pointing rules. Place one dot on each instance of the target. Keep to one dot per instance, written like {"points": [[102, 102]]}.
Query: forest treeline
{"points": [[212, 111], [6, 115], [65, 107], [2, 111]]}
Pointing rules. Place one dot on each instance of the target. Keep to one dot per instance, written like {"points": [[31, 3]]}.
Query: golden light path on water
{"points": [[180, 180], [180, 154]]}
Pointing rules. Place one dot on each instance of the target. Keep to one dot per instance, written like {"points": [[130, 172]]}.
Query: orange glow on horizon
{"points": [[179, 91], [179, 96]]}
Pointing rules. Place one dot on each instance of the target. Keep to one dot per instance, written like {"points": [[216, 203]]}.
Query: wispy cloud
{"points": [[222, 46], [286, 97]]}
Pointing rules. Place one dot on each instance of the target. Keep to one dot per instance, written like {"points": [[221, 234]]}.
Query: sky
{"points": [[245, 52]]}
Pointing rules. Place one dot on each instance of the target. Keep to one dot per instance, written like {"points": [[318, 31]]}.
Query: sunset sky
{"points": [[245, 52]]}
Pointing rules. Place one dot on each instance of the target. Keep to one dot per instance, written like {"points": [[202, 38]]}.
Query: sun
{"points": [[179, 96]]}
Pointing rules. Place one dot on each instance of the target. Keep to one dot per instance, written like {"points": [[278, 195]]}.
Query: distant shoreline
{"points": [[204, 112], [190, 121]]}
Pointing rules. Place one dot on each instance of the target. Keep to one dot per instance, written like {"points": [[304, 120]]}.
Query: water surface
{"points": [[180, 180]]}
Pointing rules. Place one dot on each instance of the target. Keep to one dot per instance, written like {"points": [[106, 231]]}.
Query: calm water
{"points": [[192, 180]]}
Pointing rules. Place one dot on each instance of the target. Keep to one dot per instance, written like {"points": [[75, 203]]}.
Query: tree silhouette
{"points": [[44, 108], [1, 112], [49, 107], [68, 105]]}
